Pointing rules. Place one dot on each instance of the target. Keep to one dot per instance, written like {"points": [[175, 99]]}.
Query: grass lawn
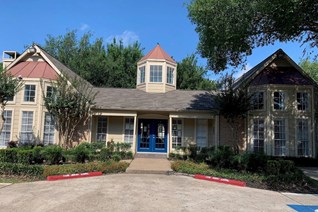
{"points": [[16, 179]]}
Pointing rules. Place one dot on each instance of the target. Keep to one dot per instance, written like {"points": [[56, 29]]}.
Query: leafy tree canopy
{"points": [[310, 67], [192, 76], [229, 30]]}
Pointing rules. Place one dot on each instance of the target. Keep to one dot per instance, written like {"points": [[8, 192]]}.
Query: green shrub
{"points": [[116, 156], [105, 154], [129, 155], [280, 167], [221, 157], [21, 169], [98, 145], [37, 156], [8, 155], [52, 154], [25, 156], [105, 167], [81, 152]]}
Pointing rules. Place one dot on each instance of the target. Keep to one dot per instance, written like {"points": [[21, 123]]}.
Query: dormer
{"points": [[157, 72]]}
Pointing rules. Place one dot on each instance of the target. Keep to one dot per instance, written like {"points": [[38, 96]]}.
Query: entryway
{"points": [[152, 135]]}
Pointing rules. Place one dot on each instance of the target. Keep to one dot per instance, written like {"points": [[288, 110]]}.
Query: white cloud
{"points": [[83, 27], [127, 37], [245, 69]]}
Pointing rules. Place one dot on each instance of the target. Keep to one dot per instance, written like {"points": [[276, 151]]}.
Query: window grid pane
{"points": [[258, 101], [258, 135], [302, 137], [129, 130], [279, 101], [279, 137], [29, 93], [101, 128], [142, 74], [170, 75], [6, 131], [302, 101], [176, 133], [26, 134], [155, 73], [49, 128]]}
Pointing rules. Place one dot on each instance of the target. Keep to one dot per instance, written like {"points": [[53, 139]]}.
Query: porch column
{"points": [[135, 133], [216, 131], [169, 146]]}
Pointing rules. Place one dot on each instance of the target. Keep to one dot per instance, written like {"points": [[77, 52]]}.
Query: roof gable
{"points": [[157, 53], [269, 71]]}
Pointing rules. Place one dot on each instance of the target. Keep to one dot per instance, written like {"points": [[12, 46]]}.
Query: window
{"points": [[176, 133], [129, 130], [142, 74], [101, 128], [49, 91], [202, 132], [6, 131], [258, 101], [302, 101], [170, 75], [155, 73], [10, 98], [49, 127], [26, 135], [29, 93], [279, 137], [279, 101], [302, 137], [258, 135]]}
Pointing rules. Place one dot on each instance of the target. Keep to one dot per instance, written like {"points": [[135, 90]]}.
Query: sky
{"points": [[148, 21]]}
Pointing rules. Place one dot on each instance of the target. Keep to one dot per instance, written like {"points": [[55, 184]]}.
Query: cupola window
{"points": [[170, 75], [155, 73]]}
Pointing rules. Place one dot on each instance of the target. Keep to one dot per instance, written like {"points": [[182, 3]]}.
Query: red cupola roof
{"points": [[159, 54]]}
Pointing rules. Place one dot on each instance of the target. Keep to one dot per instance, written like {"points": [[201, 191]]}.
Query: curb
{"points": [[72, 176], [220, 180]]}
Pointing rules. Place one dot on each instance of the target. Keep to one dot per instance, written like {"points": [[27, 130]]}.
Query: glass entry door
{"points": [[152, 135]]}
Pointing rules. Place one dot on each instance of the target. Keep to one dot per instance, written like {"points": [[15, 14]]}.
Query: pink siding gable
{"points": [[33, 70]]}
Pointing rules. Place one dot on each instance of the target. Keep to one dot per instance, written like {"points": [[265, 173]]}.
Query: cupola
{"points": [[157, 72]]}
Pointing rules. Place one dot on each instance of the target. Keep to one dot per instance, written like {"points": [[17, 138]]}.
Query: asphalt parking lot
{"points": [[143, 192]]}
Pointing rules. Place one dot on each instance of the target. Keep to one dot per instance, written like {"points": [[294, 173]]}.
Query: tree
{"points": [[1, 68], [310, 67], [191, 76], [9, 87], [111, 66], [69, 105], [229, 30], [233, 106]]}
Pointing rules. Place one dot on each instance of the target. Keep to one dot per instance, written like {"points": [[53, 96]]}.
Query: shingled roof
{"points": [[133, 99]]}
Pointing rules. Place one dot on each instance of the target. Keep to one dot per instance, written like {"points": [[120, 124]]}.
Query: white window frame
{"points": [[29, 97], [281, 103], [302, 101], [129, 137], [102, 133], [280, 142], [170, 75], [302, 139], [206, 135], [177, 133], [7, 129], [155, 75], [256, 103], [258, 135], [28, 125], [50, 134], [142, 75]]}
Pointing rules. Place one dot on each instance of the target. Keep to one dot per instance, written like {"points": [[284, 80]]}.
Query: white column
{"points": [[169, 144], [216, 130], [135, 142]]}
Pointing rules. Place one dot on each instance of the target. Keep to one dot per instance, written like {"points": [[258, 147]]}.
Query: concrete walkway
{"points": [[134, 192], [149, 166]]}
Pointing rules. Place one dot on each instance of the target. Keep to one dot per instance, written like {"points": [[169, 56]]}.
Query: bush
{"points": [[105, 167], [98, 145], [280, 167], [25, 156], [37, 155], [105, 154], [8, 155], [116, 156], [221, 157], [81, 152], [52, 154], [21, 169]]}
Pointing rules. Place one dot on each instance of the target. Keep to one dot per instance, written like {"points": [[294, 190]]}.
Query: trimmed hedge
{"points": [[21, 169], [25, 156], [8, 155], [105, 167]]}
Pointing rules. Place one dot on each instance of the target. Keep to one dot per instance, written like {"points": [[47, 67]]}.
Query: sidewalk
{"points": [[311, 172], [149, 166]]}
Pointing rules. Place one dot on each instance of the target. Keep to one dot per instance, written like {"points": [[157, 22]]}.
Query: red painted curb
{"points": [[71, 176], [220, 180]]}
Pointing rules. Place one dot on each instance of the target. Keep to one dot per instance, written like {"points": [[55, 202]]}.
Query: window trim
{"points": [[285, 100], [124, 129], [264, 132], [140, 70], [264, 99], [286, 136], [182, 132], [309, 136], [11, 127], [35, 95], [21, 117], [107, 128], [158, 75], [43, 127], [172, 75], [308, 101]]}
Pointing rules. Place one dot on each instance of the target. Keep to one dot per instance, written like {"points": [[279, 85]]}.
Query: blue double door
{"points": [[152, 135]]}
